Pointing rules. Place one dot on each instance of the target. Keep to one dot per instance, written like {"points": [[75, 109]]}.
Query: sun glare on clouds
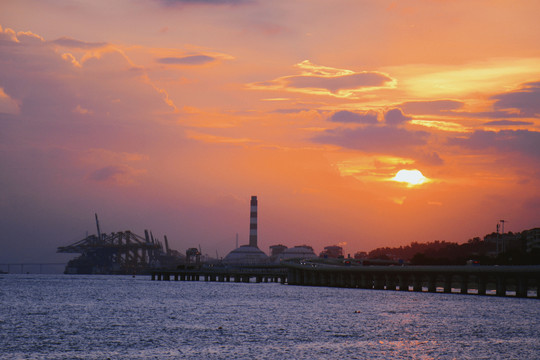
{"points": [[410, 177]]}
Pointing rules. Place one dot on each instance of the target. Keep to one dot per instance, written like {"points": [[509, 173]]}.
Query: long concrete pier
{"points": [[516, 281], [245, 275], [519, 281]]}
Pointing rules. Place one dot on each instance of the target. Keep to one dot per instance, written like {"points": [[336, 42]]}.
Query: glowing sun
{"points": [[411, 177]]}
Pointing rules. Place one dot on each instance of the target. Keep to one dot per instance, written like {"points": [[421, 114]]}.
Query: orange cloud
{"points": [[80, 110], [70, 58], [21, 36], [322, 80], [207, 138], [8, 105]]}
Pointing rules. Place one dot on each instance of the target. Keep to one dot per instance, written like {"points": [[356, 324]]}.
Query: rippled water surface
{"points": [[122, 317]]}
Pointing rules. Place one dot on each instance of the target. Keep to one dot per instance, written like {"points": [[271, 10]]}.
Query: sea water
{"points": [[125, 317]]}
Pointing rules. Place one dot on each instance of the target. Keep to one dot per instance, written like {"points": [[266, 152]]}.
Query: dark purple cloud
{"points": [[526, 100], [374, 139], [507, 123], [203, 2], [116, 174], [504, 141], [430, 107], [337, 83], [532, 204], [395, 117], [432, 159], [187, 60], [107, 173], [73, 43], [344, 116]]}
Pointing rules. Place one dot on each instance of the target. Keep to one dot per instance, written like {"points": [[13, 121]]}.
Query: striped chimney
{"points": [[253, 223]]}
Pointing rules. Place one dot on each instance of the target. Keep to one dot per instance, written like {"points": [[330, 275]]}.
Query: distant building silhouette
{"points": [[275, 250], [532, 240], [333, 251]]}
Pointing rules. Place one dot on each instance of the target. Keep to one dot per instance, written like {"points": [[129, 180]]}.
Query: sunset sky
{"points": [[168, 115]]}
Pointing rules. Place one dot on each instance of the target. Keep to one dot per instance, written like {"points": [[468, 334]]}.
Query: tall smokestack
{"points": [[253, 223]]}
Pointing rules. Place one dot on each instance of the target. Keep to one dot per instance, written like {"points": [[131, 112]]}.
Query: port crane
{"points": [[122, 252]]}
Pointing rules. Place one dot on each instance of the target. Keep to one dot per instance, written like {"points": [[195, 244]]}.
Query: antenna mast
{"points": [[502, 223], [98, 230]]}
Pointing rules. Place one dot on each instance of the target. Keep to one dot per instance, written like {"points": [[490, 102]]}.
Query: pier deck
{"points": [[518, 281], [482, 280], [246, 275]]}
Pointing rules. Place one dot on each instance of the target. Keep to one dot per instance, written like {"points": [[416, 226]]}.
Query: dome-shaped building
{"points": [[297, 252], [245, 255]]}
